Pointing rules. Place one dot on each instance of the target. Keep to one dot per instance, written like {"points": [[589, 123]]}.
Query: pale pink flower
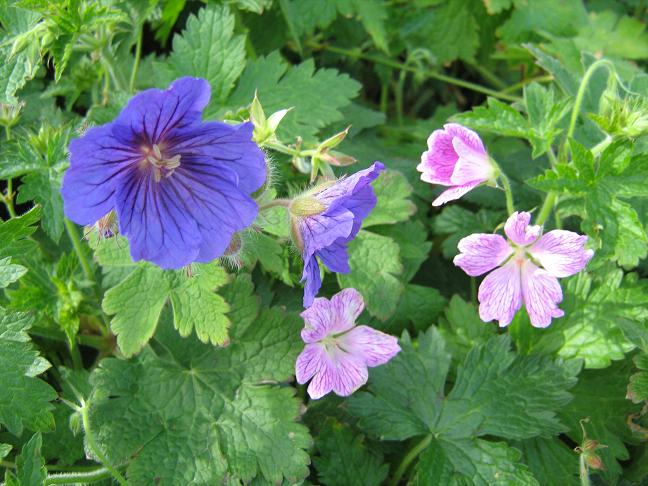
{"points": [[456, 157], [337, 352], [529, 268]]}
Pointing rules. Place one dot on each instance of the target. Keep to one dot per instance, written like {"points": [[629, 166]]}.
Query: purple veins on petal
{"points": [[325, 236], [456, 157], [526, 269], [337, 353], [180, 187]]}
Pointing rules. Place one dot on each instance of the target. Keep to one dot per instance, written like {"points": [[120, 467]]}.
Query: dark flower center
{"points": [[162, 165]]}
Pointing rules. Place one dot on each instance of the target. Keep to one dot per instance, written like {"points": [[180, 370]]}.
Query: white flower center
{"points": [[162, 165]]}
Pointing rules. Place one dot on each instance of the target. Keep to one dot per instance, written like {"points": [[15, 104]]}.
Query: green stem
{"points": [[506, 185], [78, 477], [524, 82], [75, 238], [8, 198], [488, 75], [284, 149], [601, 146], [384, 93], [423, 73], [584, 473], [581, 92], [398, 97], [409, 457], [77, 361], [277, 202], [552, 157], [96, 342], [547, 207], [92, 445], [138, 55]]}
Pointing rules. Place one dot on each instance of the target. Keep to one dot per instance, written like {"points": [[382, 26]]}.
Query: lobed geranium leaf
{"points": [[220, 414], [9, 272], [638, 386], [392, 192], [138, 300], [344, 459], [14, 233], [30, 465], [25, 399], [375, 267], [551, 461], [412, 238]]}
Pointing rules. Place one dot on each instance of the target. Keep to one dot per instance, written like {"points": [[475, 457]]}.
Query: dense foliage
{"points": [[115, 371]]}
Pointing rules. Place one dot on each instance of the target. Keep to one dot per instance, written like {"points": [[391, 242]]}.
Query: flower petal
{"points": [[542, 294], [340, 372], [471, 166], [221, 145], [373, 346], [454, 193], [319, 317], [346, 307], [481, 252], [561, 252], [500, 294], [360, 204], [311, 275], [469, 137], [519, 231], [349, 185], [320, 231], [335, 257], [437, 163], [97, 162], [309, 361]]}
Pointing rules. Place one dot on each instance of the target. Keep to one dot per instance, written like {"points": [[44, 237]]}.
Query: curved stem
{"points": [[78, 477], [408, 458], [547, 207], [92, 444], [138, 55], [506, 185], [75, 238], [424, 73], [581, 91], [524, 82], [277, 202], [284, 149]]}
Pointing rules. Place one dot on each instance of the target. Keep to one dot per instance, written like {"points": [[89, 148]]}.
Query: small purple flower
{"points": [[180, 186], [456, 157], [325, 234], [337, 352], [529, 268]]}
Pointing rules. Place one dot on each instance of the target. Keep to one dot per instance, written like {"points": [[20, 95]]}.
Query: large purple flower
{"points": [[180, 186], [337, 352], [344, 205]]}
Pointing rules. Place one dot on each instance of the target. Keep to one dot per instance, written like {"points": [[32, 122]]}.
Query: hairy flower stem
{"points": [[78, 477], [92, 445], [423, 73], [75, 238], [276, 203], [547, 207], [138, 55], [506, 185], [584, 473], [408, 458]]}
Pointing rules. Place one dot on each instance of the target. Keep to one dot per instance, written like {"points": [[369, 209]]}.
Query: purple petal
{"points": [[519, 231], [309, 361], [561, 252], [470, 138], [454, 193], [97, 160], [437, 163], [341, 372], [319, 319], [311, 275], [360, 204], [346, 306], [542, 294], [471, 166], [481, 252], [150, 115], [373, 346], [223, 145], [350, 185], [335, 257], [320, 231], [500, 294]]}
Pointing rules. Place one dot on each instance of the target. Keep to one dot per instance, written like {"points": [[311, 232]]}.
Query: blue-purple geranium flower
{"points": [[180, 186], [343, 205]]}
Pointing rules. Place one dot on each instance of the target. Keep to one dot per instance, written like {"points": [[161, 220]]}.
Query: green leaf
{"points": [[638, 386], [220, 414], [462, 328], [373, 15], [14, 233], [46, 191], [5, 449], [551, 461], [25, 399], [279, 86], [393, 193], [411, 237], [600, 395], [9, 272], [543, 16], [208, 49], [420, 305], [613, 35], [375, 267], [478, 462], [195, 305], [344, 459], [30, 466]]}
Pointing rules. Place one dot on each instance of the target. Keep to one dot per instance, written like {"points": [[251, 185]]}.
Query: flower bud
{"points": [[264, 127], [107, 226], [337, 159], [306, 206]]}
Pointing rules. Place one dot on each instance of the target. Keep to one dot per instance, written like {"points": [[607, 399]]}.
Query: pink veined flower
{"points": [[529, 268], [337, 352], [456, 157]]}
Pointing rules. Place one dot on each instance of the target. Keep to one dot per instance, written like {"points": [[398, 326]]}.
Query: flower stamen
{"points": [[162, 166]]}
